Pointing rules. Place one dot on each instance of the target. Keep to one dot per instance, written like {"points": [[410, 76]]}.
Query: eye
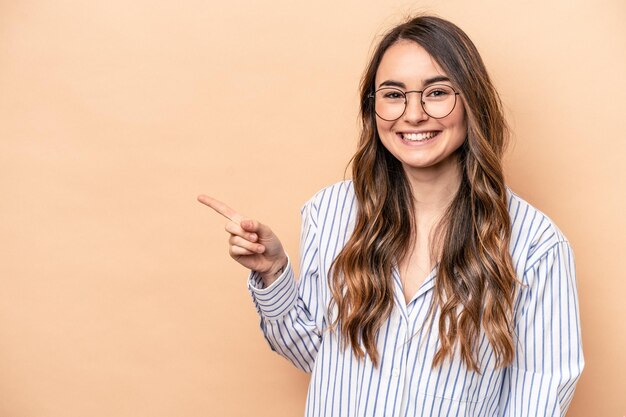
{"points": [[390, 94], [393, 94], [438, 92]]}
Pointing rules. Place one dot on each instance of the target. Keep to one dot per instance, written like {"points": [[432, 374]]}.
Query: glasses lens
{"points": [[438, 100], [389, 103]]}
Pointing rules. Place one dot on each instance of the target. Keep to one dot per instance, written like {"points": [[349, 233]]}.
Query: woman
{"points": [[427, 287]]}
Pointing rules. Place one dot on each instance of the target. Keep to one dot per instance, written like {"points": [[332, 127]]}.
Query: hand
{"points": [[252, 244]]}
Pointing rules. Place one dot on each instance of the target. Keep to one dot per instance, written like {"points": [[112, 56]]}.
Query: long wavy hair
{"points": [[475, 282]]}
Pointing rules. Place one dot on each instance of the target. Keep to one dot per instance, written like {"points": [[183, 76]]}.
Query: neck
{"points": [[433, 190], [434, 187]]}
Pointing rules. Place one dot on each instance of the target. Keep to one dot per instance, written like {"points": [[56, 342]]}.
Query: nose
{"points": [[414, 111]]}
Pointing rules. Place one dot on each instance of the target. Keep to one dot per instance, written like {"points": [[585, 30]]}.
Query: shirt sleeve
{"points": [[548, 359], [291, 311]]}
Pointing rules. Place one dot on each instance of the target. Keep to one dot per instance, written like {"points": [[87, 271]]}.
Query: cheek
{"points": [[460, 122], [384, 129], [463, 127]]}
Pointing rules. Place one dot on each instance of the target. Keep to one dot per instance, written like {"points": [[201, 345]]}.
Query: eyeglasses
{"points": [[437, 101]]}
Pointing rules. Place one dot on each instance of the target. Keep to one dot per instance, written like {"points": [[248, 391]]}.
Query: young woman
{"points": [[427, 287]]}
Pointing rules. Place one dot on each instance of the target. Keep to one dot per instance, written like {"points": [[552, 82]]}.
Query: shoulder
{"points": [[533, 233], [341, 192], [336, 202]]}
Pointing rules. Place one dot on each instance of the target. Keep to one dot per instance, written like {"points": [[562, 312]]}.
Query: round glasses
{"points": [[437, 101]]}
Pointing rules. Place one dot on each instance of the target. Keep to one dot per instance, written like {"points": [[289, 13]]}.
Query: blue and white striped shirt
{"points": [[548, 357]]}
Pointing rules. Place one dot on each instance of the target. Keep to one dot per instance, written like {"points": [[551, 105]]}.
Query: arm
{"points": [[548, 361], [291, 312], [290, 317]]}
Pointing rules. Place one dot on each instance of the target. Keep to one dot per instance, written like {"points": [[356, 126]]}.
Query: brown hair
{"points": [[476, 281]]}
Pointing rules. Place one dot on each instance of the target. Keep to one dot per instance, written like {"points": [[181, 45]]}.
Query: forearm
{"points": [[286, 321]]}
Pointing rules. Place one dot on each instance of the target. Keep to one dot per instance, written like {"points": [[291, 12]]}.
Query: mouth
{"points": [[418, 137]]}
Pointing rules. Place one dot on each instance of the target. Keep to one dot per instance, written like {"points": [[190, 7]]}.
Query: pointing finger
{"points": [[221, 208]]}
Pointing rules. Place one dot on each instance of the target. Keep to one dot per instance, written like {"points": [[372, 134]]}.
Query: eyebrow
{"points": [[400, 84]]}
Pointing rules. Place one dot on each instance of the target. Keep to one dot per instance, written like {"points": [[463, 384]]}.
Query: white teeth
{"points": [[418, 136]]}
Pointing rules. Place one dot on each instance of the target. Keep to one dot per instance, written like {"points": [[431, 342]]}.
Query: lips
{"points": [[418, 136]]}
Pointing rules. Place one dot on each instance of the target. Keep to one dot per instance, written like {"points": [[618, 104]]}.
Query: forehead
{"points": [[408, 62]]}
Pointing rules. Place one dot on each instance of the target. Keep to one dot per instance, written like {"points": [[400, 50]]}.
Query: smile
{"points": [[418, 137]]}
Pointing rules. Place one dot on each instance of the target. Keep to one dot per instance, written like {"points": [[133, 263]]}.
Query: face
{"points": [[420, 142]]}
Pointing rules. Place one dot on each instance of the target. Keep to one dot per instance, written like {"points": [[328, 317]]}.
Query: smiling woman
{"points": [[427, 287]]}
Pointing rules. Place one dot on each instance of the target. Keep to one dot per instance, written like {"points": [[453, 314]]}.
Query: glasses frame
{"points": [[404, 93]]}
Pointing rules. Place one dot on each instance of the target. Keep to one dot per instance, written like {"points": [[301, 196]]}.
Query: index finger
{"points": [[221, 208]]}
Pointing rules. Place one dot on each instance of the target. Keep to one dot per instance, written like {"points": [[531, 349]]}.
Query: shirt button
{"points": [[395, 372]]}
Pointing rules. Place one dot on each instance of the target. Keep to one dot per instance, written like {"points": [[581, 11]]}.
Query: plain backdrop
{"points": [[117, 295]]}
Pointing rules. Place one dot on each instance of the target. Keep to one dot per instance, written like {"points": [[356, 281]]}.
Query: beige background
{"points": [[117, 296]]}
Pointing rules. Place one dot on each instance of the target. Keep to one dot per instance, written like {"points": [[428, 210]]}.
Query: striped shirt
{"points": [[548, 355]]}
